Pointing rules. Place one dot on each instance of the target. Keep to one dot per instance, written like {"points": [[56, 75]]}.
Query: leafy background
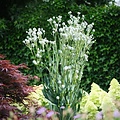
{"points": [[104, 58]]}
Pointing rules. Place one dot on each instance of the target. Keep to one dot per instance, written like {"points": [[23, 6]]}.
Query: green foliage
{"points": [[104, 56], [2, 24], [3, 27], [34, 99], [99, 100]]}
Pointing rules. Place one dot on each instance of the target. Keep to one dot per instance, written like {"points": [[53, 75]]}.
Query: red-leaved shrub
{"points": [[14, 88]]}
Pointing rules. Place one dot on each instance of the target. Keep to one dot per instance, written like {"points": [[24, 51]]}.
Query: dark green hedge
{"points": [[104, 57]]}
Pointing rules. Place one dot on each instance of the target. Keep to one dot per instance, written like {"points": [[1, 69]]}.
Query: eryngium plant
{"points": [[70, 48]]}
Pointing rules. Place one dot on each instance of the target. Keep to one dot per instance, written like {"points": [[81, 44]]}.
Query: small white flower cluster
{"points": [[76, 31], [36, 43], [74, 35], [55, 23], [33, 36], [57, 97], [67, 68]]}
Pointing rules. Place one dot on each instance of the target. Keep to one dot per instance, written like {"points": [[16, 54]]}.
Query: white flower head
{"points": [[78, 13], [93, 30], [52, 42], [67, 68], [54, 22], [61, 29], [59, 82], [32, 45], [57, 97], [45, 40], [35, 62], [42, 42], [69, 12], [34, 29], [63, 86], [59, 18], [39, 33], [63, 23], [60, 51], [26, 41], [50, 20], [38, 55], [70, 22], [70, 48], [77, 71], [86, 57], [29, 32], [53, 17]]}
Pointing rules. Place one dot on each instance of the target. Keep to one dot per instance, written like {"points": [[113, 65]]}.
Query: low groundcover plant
{"points": [[66, 54]]}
